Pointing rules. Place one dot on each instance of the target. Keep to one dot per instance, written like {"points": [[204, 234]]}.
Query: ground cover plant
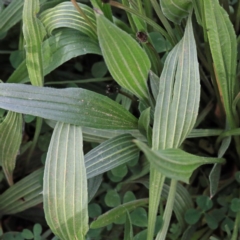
{"points": [[119, 119]]}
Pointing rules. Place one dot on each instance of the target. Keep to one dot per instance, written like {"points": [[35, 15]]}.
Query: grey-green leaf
{"points": [[127, 62], [179, 94], [10, 139], [175, 163], [72, 105], [22, 195], [66, 15], [65, 195], [110, 154]]}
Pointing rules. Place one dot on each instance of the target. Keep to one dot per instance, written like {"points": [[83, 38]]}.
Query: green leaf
{"points": [[37, 229], [33, 32], [110, 216], [126, 61], [223, 45], [175, 163], [17, 57], [110, 154], [112, 198], [10, 139], [192, 216], [179, 94], [71, 105], [159, 42], [65, 196], [24, 194], [144, 124], [57, 49], [141, 235], [235, 205], [99, 69], [94, 210], [204, 202], [128, 197], [120, 171], [66, 15], [211, 221], [176, 10], [139, 217], [27, 234]]}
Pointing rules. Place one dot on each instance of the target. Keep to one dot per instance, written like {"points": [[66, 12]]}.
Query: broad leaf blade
{"points": [[65, 195], [176, 10], [10, 139], [110, 154], [33, 32], [112, 215], [66, 15], [175, 163], [72, 105], [126, 60], [22, 195], [58, 49], [223, 45], [179, 94]]}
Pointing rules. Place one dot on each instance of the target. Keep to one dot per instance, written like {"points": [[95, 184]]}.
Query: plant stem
{"points": [[168, 210], [155, 189], [90, 80], [236, 227]]}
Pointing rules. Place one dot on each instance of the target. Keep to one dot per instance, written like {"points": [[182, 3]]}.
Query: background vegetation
{"points": [[119, 119]]}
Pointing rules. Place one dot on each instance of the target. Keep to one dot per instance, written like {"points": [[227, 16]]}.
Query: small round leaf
{"points": [[204, 202], [112, 198], [94, 210], [139, 217], [192, 216], [27, 234], [128, 197], [235, 205]]}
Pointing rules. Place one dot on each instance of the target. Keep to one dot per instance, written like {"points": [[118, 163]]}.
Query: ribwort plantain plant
{"points": [[81, 161]]}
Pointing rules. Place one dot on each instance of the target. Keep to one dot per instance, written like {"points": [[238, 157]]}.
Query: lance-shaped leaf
{"points": [[66, 15], [126, 60], [10, 139], [65, 195], [223, 44], [12, 14], [176, 10], [112, 215], [179, 94], [33, 32], [175, 163], [22, 195], [72, 105], [58, 49], [110, 154]]}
